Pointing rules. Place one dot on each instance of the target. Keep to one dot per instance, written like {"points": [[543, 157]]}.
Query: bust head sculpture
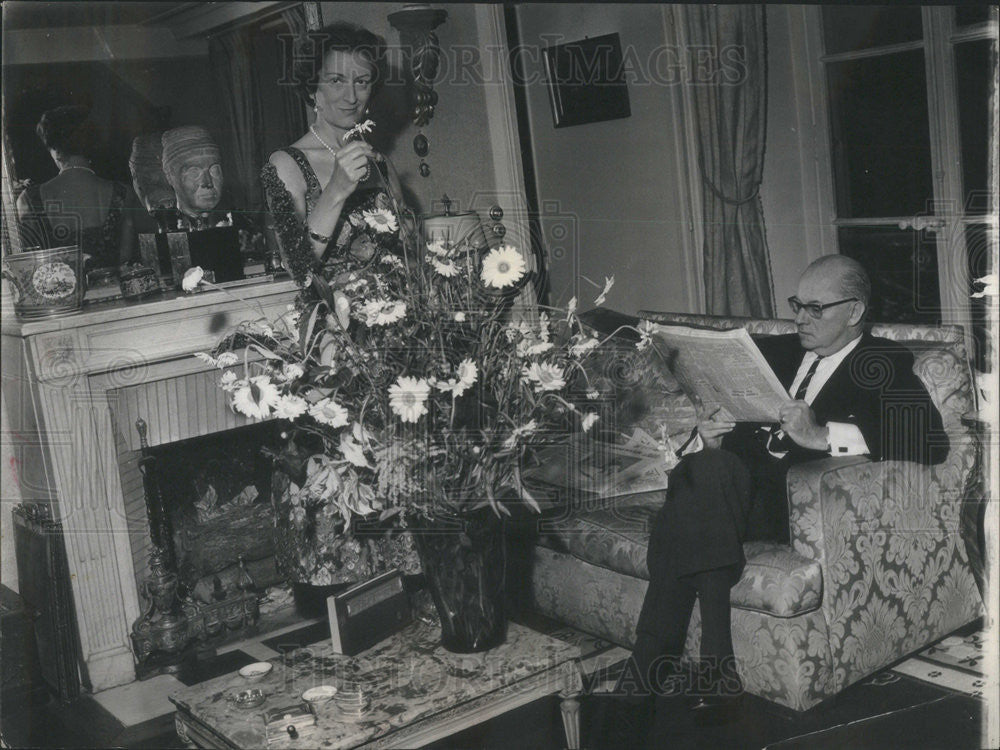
{"points": [[192, 164], [146, 165]]}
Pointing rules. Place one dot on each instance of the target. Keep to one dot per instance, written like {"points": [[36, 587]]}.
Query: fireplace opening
{"points": [[216, 494]]}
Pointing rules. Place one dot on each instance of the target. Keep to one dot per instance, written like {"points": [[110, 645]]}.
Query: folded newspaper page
{"points": [[724, 369]]}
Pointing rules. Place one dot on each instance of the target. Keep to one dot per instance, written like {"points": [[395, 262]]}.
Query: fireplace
{"points": [[83, 381]]}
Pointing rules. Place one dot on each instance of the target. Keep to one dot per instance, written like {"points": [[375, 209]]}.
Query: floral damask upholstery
{"points": [[876, 569]]}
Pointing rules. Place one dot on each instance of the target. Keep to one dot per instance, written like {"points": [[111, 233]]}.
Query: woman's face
{"points": [[345, 86]]}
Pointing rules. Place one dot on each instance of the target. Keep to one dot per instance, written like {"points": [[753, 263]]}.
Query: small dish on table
{"points": [[319, 695], [256, 671]]}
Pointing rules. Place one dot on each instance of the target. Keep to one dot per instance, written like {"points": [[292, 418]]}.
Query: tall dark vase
{"points": [[464, 562]]}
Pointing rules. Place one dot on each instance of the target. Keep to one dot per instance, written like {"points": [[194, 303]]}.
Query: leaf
{"points": [[306, 327], [265, 352], [324, 291]]}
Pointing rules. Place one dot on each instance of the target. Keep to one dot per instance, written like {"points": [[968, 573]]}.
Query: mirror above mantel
{"points": [[149, 67]]}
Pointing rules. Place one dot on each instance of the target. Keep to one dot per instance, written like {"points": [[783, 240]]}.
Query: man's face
{"points": [[833, 329], [198, 183]]}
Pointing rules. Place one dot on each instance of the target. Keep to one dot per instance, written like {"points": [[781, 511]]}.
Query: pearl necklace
{"points": [[325, 145]]}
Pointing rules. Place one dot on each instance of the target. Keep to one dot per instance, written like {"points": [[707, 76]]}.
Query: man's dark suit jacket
{"points": [[875, 389], [713, 507]]}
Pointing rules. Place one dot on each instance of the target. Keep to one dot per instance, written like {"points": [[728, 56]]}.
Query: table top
{"points": [[409, 676]]}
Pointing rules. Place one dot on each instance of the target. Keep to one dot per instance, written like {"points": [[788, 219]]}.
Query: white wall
{"points": [[619, 180]]}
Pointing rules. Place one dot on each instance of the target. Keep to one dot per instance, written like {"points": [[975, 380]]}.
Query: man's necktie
{"points": [[800, 392], [778, 441]]}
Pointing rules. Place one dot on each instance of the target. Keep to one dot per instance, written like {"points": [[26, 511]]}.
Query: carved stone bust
{"points": [[192, 164]]}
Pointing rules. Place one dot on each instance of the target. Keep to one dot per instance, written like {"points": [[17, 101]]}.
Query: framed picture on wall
{"points": [[587, 81]]}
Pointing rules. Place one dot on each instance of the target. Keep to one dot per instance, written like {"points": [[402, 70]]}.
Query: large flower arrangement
{"points": [[412, 384]]}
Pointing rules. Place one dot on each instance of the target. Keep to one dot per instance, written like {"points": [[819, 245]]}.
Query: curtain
{"points": [[730, 96], [232, 59], [293, 109]]}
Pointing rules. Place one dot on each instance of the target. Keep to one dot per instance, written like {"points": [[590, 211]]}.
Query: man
{"points": [[853, 394]]}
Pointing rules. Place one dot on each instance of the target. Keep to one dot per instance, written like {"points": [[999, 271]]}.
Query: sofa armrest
{"points": [[888, 540], [835, 500]]}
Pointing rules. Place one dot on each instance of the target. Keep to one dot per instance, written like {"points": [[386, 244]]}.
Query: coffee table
{"points": [[420, 692]]}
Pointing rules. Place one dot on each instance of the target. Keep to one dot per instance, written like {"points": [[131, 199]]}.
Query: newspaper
{"points": [[724, 369]]}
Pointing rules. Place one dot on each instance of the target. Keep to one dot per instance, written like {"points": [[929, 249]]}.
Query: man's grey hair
{"points": [[853, 277], [854, 281]]}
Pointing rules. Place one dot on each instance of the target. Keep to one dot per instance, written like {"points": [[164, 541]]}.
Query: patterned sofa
{"points": [[876, 568]]}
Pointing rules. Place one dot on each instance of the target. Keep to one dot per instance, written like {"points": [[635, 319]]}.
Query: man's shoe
{"points": [[715, 710]]}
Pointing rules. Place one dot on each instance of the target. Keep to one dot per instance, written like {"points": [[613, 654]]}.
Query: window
{"points": [[908, 91]]}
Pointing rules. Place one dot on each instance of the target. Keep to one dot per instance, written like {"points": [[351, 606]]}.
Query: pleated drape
{"points": [[731, 114], [232, 59]]}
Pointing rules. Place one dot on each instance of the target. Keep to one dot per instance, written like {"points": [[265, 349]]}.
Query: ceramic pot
{"points": [[45, 283]]}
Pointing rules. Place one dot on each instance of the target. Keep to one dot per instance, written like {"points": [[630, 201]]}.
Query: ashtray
{"points": [[317, 696], [248, 698], [256, 671]]}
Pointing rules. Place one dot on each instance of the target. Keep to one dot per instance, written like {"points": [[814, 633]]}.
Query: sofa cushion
{"points": [[612, 537], [777, 580]]}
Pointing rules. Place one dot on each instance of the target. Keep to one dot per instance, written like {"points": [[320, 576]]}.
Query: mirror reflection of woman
{"points": [[77, 207], [318, 187]]}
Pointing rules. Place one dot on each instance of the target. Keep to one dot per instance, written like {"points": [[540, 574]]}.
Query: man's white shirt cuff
{"points": [[846, 440]]}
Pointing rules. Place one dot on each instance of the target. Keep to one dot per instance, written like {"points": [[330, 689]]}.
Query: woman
{"points": [[76, 207], [319, 187], [324, 191]]}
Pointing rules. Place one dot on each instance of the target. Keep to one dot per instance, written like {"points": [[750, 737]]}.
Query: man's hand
{"points": [[799, 423], [713, 428]]}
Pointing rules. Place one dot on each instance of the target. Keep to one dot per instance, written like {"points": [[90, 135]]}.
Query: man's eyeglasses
{"points": [[815, 309]]}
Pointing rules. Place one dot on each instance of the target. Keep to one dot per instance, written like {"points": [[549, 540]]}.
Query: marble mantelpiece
{"points": [[73, 385]]}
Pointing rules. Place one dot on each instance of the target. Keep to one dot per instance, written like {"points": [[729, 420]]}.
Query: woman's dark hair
{"points": [[341, 37], [67, 130]]}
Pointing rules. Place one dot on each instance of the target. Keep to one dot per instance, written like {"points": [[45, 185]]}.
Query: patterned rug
{"points": [[955, 663]]}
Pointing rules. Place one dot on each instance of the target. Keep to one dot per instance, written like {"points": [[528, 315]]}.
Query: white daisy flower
{"points": [[226, 359], [381, 312], [290, 407], [609, 281], [192, 278], [459, 317], [255, 398], [228, 381], [292, 371], [582, 347], [440, 248], [329, 412], [381, 220], [446, 268], [467, 374], [588, 421], [408, 397], [645, 335], [503, 267], [359, 129], [260, 329], [545, 376], [519, 432]]}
